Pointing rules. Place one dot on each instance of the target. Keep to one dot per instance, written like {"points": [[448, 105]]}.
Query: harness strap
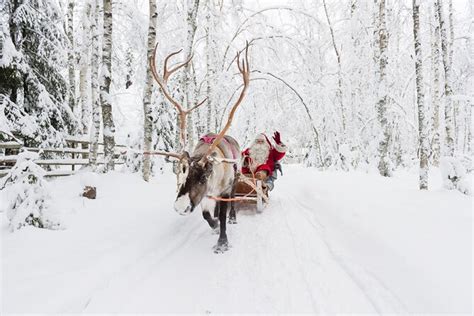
{"points": [[210, 139]]}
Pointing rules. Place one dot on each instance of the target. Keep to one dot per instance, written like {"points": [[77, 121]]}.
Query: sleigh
{"points": [[251, 191]]}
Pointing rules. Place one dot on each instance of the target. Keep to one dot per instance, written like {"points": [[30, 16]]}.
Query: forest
{"points": [[347, 71], [372, 100]]}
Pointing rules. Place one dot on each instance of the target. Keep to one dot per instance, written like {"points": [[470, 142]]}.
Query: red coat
{"points": [[274, 155]]}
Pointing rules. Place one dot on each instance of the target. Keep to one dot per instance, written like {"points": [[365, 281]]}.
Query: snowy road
{"points": [[327, 243]]}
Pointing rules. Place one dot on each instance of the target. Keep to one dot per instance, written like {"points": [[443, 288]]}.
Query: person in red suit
{"points": [[262, 156]]}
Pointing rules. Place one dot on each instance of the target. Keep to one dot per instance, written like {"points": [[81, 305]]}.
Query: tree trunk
{"points": [[84, 72], [147, 108], [188, 89], [339, 75], [129, 62], [355, 71], [470, 103], [435, 60], [384, 165], [70, 56], [451, 33], [95, 128], [105, 82], [422, 135], [210, 65], [468, 137], [448, 108]]}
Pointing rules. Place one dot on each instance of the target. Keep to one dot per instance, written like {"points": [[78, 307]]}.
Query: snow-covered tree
{"points": [[84, 70], [435, 87], [95, 100], [133, 158], [147, 105], [448, 91], [105, 84], [455, 176], [384, 164], [420, 95], [32, 81], [188, 79], [29, 201], [70, 53]]}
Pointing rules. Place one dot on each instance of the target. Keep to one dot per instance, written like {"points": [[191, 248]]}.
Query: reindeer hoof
{"points": [[232, 221], [221, 247]]}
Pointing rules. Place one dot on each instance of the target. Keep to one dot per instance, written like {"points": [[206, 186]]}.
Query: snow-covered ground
{"points": [[328, 242]]}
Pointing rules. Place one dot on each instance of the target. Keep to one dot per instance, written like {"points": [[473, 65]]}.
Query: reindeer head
{"points": [[194, 172], [193, 178]]}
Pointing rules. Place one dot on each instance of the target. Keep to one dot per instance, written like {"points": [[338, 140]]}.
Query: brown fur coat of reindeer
{"points": [[207, 176]]}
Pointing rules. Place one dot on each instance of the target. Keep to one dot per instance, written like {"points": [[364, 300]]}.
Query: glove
{"points": [[276, 137]]}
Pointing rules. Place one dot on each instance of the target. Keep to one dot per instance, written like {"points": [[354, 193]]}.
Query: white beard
{"points": [[258, 154]]}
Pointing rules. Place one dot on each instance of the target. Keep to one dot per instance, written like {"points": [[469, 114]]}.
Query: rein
{"points": [[252, 183]]}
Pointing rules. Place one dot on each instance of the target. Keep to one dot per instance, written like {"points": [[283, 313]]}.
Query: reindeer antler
{"points": [[163, 83], [245, 71]]}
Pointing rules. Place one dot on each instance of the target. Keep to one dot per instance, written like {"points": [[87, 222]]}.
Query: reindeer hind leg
{"points": [[232, 213]]}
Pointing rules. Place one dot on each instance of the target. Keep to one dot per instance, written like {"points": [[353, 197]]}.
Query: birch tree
{"points": [[95, 100], [84, 71], [71, 59], [470, 103], [339, 74], [422, 135], [435, 97], [147, 108], [105, 82], [382, 103], [448, 92], [210, 63], [188, 73]]}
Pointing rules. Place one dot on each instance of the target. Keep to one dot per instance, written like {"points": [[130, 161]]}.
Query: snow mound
{"points": [[455, 176], [28, 195]]}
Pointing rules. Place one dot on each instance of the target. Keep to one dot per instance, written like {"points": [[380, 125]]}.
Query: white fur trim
{"points": [[261, 136], [281, 148]]}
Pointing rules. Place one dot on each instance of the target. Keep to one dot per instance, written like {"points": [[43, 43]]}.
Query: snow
{"points": [[328, 242], [455, 176]]}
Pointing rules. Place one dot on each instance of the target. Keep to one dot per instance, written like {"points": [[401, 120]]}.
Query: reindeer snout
{"points": [[183, 205]]}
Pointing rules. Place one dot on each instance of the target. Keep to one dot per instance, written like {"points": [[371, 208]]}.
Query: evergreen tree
{"points": [[32, 82]]}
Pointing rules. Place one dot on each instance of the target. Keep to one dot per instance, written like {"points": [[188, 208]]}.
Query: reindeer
{"points": [[206, 177]]}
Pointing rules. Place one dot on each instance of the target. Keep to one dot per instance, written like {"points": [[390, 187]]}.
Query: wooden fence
{"points": [[63, 161]]}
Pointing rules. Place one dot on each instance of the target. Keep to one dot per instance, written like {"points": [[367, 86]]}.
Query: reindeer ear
{"points": [[185, 155]]}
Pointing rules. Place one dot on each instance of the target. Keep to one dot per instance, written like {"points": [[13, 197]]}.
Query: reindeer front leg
{"points": [[206, 206], [222, 242]]}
